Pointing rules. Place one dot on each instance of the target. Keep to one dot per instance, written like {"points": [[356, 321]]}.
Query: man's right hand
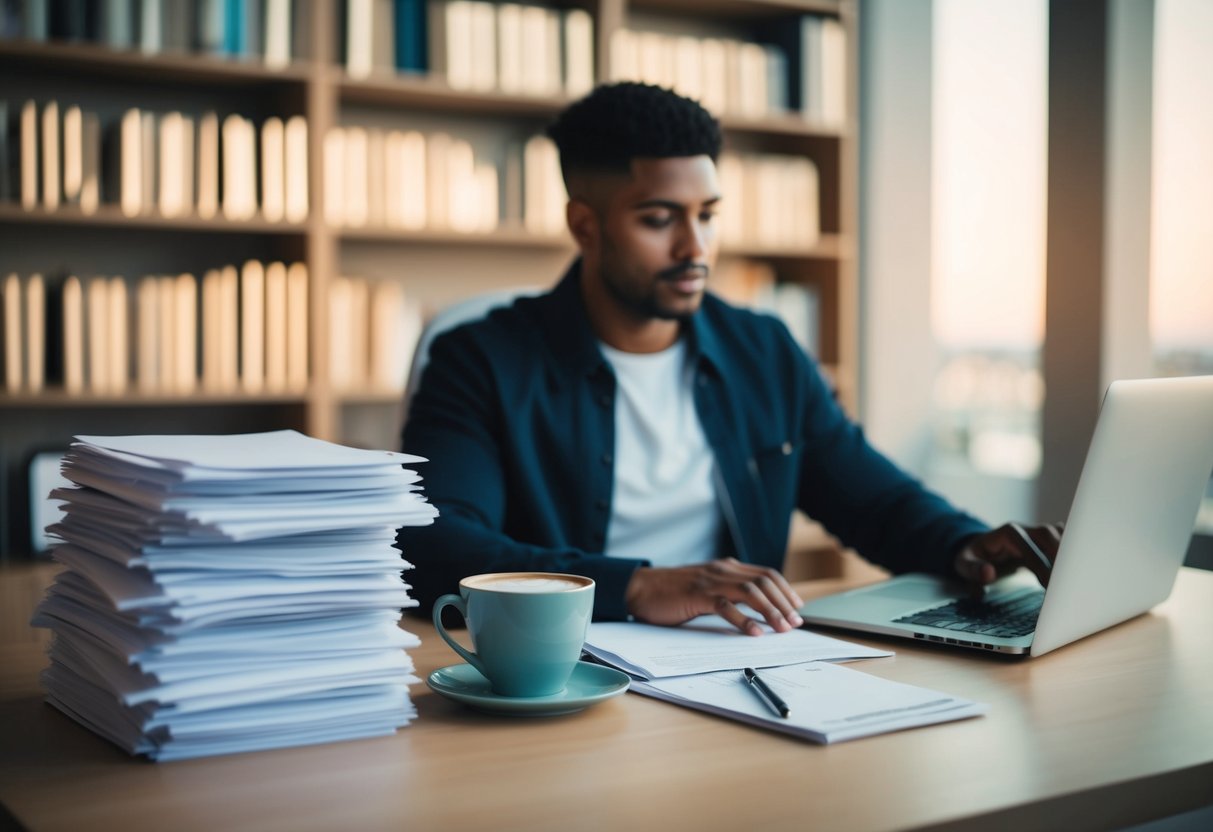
{"points": [[675, 595]]}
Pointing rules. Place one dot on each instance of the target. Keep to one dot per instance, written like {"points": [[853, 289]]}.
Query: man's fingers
{"points": [[727, 610]]}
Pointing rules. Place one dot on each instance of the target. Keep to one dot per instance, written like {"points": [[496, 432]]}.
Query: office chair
{"points": [[460, 312]]}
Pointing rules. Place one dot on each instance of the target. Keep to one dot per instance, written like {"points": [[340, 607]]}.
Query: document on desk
{"points": [[231, 593], [710, 643], [826, 703]]}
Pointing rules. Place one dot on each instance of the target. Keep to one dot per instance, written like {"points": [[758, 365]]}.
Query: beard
{"points": [[643, 294]]}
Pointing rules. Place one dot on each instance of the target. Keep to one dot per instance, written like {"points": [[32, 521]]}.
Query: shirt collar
{"points": [[574, 345]]}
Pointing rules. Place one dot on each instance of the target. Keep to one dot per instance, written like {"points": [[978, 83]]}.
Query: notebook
{"points": [[1129, 526]]}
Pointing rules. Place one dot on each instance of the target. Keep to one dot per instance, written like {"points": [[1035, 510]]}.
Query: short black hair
{"points": [[617, 123]]}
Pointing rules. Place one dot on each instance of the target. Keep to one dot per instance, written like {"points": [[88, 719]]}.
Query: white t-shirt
{"points": [[664, 507]]}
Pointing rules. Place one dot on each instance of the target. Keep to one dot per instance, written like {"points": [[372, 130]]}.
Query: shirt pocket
{"points": [[775, 471]]}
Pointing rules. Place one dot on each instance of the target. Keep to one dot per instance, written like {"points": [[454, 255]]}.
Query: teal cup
{"points": [[527, 628]]}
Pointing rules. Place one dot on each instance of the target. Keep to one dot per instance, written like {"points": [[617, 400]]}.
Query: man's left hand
{"points": [[998, 553]]}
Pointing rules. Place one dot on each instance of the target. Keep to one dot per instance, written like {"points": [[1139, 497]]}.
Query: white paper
{"points": [[710, 643], [826, 702], [271, 451]]}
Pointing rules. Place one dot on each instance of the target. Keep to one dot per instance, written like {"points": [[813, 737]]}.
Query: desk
{"points": [[1110, 731]]}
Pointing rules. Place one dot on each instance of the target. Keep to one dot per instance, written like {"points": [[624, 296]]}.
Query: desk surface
{"points": [[1113, 730]]}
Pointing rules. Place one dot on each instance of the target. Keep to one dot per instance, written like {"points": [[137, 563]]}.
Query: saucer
{"points": [[589, 683]]}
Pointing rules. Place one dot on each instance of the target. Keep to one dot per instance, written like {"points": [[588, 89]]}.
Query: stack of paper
{"points": [[231, 593], [698, 665]]}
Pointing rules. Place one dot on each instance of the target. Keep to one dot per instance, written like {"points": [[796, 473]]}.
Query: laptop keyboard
{"points": [[1008, 617]]}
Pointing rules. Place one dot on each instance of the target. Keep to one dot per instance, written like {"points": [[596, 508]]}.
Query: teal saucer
{"points": [[590, 683]]}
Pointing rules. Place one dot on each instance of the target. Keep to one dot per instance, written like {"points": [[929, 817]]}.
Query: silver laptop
{"points": [[1129, 527]]}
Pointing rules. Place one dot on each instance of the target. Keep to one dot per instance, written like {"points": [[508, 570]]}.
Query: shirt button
{"points": [[787, 448], [607, 459]]}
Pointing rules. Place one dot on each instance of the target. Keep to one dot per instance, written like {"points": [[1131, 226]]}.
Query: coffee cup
{"points": [[527, 628]]}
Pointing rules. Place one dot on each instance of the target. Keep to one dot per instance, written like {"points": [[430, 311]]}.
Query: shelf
{"points": [[111, 216], [371, 397], [159, 68], [502, 237], [790, 124], [738, 9], [432, 94], [58, 399], [828, 247]]}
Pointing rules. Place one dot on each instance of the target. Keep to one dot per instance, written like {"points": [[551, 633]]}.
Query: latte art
{"points": [[537, 583]]}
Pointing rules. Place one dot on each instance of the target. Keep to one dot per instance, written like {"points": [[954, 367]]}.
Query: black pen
{"points": [[765, 693]]}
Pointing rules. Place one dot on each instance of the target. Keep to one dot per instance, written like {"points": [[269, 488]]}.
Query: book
{"points": [[210, 310], [73, 335], [578, 44], [275, 327], [273, 169], [462, 201], [341, 375], [334, 177], [239, 168], [35, 333], [210, 26], [235, 28], [510, 47], [278, 30], [51, 159], [90, 164], [184, 332], [173, 164], [437, 184], [8, 146], [118, 349], [414, 184], [129, 156], [207, 166], [73, 154], [72, 20], [14, 340], [833, 72], [297, 328], [377, 184], [252, 327], [228, 354], [147, 335], [166, 327], [456, 46], [482, 40], [409, 21], [150, 26], [356, 203], [148, 154], [359, 34], [383, 38], [176, 25], [97, 339], [295, 170], [356, 332]]}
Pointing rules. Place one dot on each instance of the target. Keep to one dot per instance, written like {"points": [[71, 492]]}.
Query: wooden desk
{"points": [[1110, 731]]}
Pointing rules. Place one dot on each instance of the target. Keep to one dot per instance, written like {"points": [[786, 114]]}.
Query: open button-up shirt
{"points": [[516, 414]]}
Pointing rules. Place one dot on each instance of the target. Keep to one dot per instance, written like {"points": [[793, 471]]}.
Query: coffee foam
{"points": [[529, 583]]}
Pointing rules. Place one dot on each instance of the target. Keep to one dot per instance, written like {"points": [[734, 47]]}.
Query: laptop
{"points": [[1129, 528]]}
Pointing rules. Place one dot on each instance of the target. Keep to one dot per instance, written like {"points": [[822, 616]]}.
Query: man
{"points": [[630, 427]]}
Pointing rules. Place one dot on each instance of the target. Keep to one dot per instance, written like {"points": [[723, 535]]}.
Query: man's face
{"points": [[659, 238]]}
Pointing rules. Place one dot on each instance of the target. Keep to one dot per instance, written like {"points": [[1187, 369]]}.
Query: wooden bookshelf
{"points": [[435, 265]]}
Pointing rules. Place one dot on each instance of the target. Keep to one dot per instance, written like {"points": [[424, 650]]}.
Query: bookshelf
{"points": [[434, 265]]}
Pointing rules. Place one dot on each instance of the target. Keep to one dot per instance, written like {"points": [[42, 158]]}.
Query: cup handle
{"points": [[458, 603]]}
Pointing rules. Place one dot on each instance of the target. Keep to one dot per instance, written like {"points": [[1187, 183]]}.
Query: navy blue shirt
{"points": [[517, 414]]}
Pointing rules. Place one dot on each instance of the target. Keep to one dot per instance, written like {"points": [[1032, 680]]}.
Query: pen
{"points": [[765, 693]]}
